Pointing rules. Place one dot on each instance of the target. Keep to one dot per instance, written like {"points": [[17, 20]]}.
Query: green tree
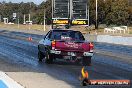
{"points": [[118, 13], [47, 6], [92, 8], [101, 11]]}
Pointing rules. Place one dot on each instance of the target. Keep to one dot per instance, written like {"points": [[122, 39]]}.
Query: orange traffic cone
{"points": [[29, 38]]}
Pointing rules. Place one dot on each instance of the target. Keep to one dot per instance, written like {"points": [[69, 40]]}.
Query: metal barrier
{"points": [[116, 29]]}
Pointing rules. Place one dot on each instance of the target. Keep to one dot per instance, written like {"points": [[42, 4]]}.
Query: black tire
{"points": [[78, 61], [40, 56], [86, 82], [86, 61], [48, 58]]}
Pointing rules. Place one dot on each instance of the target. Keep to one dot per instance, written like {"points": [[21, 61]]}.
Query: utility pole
{"points": [[53, 7], [24, 19], [29, 19], [88, 12], [29, 22], [96, 26], [71, 9], [0, 18], [44, 21], [18, 21]]}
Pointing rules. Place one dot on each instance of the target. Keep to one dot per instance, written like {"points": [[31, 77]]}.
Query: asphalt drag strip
{"points": [[20, 56]]}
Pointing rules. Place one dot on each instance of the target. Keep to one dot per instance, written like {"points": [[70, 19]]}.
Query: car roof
{"points": [[63, 30]]}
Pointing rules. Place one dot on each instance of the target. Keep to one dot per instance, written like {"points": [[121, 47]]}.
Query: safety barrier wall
{"points": [[110, 39]]}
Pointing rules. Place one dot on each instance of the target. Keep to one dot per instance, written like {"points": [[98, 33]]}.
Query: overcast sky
{"points": [[35, 1]]}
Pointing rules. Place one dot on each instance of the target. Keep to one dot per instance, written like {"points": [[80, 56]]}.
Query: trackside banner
{"points": [[72, 22]]}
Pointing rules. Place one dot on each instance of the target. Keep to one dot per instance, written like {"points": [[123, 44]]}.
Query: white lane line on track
{"points": [[10, 83]]}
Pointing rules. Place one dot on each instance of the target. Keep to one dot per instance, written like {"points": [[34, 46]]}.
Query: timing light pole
{"points": [[29, 17]]}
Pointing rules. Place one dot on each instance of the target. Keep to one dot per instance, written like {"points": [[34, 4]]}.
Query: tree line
{"points": [[36, 11], [110, 12]]}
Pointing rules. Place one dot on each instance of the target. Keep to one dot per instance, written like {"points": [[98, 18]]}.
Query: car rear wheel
{"points": [[48, 58], [86, 61], [40, 56]]}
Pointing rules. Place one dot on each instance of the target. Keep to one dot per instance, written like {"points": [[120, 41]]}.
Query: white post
{"points": [[24, 19], [0, 18], [29, 17], [44, 21], [4, 20], [128, 29], [29, 22], [18, 23], [7, 20]]}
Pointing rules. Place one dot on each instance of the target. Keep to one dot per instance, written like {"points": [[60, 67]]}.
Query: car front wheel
{"points": [[40, 56], [48, 58]]}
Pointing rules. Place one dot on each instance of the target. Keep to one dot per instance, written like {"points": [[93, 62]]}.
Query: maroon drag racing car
{"points": [[65, 44]]}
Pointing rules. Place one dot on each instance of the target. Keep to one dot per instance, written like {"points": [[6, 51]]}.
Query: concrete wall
{"points": [[110, 39]]}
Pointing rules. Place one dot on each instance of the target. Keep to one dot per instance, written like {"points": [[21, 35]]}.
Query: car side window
{"points": [[80, 36]]}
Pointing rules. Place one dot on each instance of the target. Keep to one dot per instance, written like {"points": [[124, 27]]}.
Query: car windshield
{"points": [[67, 35]]}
